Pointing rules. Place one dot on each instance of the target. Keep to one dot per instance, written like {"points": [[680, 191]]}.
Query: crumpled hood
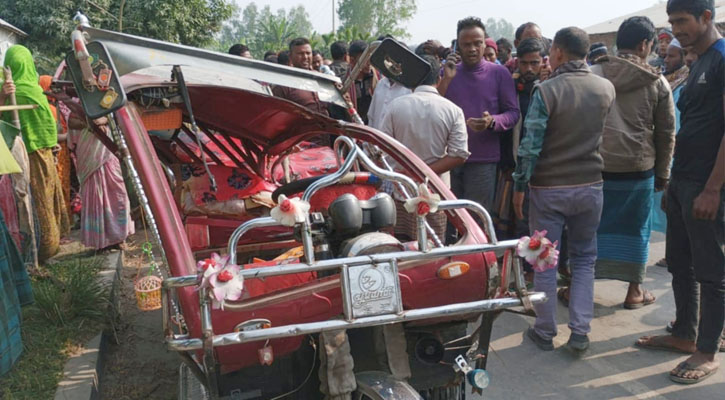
{"points": [[625, 75]]}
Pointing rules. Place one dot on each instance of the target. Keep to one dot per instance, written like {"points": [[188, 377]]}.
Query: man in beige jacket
{"points": [[637, 147]]}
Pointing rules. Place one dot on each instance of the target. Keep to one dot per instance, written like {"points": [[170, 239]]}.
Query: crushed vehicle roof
{"points": [[132, 53]]}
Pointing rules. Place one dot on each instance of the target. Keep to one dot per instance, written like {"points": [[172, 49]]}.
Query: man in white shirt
{"points": [[385, 92], [434, 128]]}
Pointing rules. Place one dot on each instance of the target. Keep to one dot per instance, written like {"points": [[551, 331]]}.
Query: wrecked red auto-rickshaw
{"points": [[333, 302]]}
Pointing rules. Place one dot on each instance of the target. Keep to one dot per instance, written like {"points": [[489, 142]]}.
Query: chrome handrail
{"points": [[337, 324], [482, 213], [337, 175], [262, 222], [403, 180], [323, 265], [376, 152]]}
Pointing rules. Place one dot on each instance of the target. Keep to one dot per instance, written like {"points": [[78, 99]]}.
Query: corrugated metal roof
{"points": [[657, 13], [10, 27]]}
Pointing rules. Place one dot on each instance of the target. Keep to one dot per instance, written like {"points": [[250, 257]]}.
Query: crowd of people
{"points": [[596, 147], [55, 170]]}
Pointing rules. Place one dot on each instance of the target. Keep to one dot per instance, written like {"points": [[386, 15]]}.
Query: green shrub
{"points": [[72, 292], [70, 308]]}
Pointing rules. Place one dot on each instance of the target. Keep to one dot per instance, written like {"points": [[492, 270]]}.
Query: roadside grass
{"points": [[70, 307]]}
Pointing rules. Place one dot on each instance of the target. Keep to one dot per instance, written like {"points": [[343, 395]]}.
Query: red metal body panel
{"points": [[275, 124]]}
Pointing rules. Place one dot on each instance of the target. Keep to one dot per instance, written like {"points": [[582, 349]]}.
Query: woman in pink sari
{"points": [[105, 216]]}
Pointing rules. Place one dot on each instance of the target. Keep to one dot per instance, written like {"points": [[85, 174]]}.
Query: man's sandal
{"points": [[677, 374], [647, 299]]}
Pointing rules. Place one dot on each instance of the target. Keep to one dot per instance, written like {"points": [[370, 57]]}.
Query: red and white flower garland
{"points": [[224, 279], [538, 251]]}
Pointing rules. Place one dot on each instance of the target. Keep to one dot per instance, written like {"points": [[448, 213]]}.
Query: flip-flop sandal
{"points": [[563, 296], [653, 345], [662, 263], [685, 367], [647, 299]]}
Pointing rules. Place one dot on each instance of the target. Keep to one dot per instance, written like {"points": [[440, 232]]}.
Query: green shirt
{"points": [[536, 122]]}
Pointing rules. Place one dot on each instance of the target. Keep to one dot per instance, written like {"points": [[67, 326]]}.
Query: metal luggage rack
{"points": [[390, 314]]}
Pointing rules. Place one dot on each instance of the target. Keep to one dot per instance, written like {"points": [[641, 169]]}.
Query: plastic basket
{"points": [[148, 293]]}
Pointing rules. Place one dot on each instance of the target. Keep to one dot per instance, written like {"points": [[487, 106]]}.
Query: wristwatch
{"points": [[493, 124]]}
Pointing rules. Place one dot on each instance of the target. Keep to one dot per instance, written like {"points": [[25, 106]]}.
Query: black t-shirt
{"points": [[702, 121]]}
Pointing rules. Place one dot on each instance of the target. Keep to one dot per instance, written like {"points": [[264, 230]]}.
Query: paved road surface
{"points": [[613, 368]]}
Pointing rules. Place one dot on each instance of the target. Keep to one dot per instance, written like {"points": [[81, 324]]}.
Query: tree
{"points": [[348, 34], [49, 23], [498, 29], [379, 17], [263, 30]]}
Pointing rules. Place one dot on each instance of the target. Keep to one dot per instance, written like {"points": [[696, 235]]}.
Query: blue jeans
{"points": [[580, 209]]}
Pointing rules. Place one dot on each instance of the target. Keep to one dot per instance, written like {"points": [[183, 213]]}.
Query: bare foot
{"points": [[666, 342]]}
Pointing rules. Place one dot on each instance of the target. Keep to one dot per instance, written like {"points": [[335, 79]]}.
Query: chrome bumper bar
{"points": [[315, 327], [323, 265]]}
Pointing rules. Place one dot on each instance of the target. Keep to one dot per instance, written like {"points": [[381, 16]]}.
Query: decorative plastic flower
{"points": [[548, 258], [227, 284], [425, 203], [224, 279], [538, 251], [289, 212], [211, 266]]}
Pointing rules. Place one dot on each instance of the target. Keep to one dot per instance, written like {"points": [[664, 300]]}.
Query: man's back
{"points": [[640, 130], [577, 103], [423, 121], [428, 124]]}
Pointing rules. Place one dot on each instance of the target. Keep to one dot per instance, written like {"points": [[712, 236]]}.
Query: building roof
{"points": [[658, 15], [8, 26]]}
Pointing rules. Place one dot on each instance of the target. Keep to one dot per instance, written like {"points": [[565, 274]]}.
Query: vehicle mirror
{"points": [[104, 94], [399, 64]]}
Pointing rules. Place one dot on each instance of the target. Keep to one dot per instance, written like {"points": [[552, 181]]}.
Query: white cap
{"points": [[675, 43]]}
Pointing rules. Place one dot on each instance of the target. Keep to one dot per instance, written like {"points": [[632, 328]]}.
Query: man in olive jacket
{"points": [[637, 147]]}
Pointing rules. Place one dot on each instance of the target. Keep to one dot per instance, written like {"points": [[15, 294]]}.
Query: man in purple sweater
{"points": [[486, 93]]}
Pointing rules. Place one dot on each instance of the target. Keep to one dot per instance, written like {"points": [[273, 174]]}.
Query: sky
{"points": [[436, 19]]}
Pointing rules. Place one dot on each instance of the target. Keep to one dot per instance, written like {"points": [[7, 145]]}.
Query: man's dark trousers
{"points": [[696, 254]]}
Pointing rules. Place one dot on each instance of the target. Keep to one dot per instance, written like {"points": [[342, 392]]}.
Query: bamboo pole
{"points": [[20, 107], [13, 101]]}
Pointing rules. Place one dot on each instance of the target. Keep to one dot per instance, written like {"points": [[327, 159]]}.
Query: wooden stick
{"points": [[20, 107], [13, 101]]}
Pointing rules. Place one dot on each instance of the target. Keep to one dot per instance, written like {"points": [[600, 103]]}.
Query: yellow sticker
{"points": [[109, 98]]}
